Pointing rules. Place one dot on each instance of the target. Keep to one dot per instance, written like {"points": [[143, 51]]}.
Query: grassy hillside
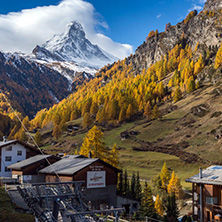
{"points": [[193, 128]]}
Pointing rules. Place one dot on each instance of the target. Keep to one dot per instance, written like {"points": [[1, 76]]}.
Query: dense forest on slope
{"points": [[30, 86], [124, 92], [118, 95]]}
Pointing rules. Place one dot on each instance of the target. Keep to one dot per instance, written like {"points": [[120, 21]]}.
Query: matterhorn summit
{"points": [[73, 46]]}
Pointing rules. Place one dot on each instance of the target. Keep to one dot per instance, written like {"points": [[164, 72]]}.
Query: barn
{"points": [[99, 177]]}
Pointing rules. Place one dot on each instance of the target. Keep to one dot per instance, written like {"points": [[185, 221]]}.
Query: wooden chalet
{"points": [[27, 170], [207, 194], [99, 177]]}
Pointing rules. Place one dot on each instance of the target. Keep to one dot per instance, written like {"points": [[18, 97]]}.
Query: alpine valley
{"points": [[162, 103], [52, 71]]}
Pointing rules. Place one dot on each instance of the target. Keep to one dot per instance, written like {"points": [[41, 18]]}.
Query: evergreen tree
{"points": [[147, 203], [26, 123], [94, 109], [172, 211], [74, 114], [190, 85], [157, 182], [138, 188], [101, 116], [86, 107], [114, 110], [23, 136], [165, 176], [177, 94], [126, 189], [62, 125], [120, 184], [38, 138], [159, 206], [57, 132], [87, 120], [122, 115], [129, 112], [56, 119], [155, 112], [133, 185], [148, 110]]}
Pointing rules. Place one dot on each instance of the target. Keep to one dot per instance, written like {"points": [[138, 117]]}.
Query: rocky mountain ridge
{"points": [[204, 29], [73, 46]]}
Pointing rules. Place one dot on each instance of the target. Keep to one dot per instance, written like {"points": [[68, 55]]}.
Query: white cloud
{"points": [[22, 31], [202, 1], [195, 7], [198, 5], [158, 16]]}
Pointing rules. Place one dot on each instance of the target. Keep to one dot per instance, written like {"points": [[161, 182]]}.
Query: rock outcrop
{"points": [[203, 28]]}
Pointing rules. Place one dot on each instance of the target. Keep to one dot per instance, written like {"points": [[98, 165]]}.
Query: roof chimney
{"points": [[200, 173], [4, 139], [89, 155]]}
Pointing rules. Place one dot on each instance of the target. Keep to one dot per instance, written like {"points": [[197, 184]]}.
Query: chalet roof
{"points": [[210, 175], [9, 142], [25, 163], [74, 156], [72, 164], [68, 165]]}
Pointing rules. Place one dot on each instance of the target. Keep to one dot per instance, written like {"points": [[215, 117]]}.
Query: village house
{"points": [[27, 170], [13, 151], [99, 178], [207, 194]]}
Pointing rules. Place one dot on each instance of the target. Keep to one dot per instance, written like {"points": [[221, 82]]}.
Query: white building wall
{"points": [[14, 157]]}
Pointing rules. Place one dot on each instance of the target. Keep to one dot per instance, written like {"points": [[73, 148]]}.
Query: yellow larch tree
{"points": [[199, 65], [93, 142], [164, 176], [159, 206], [218, 60], [174, 186], [114, 156]]}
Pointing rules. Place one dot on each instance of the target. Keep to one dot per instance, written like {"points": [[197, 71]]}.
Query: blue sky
{"points": [[123, 21]]}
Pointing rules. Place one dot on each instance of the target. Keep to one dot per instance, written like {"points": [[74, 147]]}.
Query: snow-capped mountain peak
{"points": [[73, 46]]}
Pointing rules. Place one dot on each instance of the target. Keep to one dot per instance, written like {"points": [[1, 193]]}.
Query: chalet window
{"points": [[7, 170], [211, 200], [8, 148], [8, 158], [19, 153]]}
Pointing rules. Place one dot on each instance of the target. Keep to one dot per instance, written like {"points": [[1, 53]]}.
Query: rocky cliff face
{"points": [[203, 28], [212, 5]]}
